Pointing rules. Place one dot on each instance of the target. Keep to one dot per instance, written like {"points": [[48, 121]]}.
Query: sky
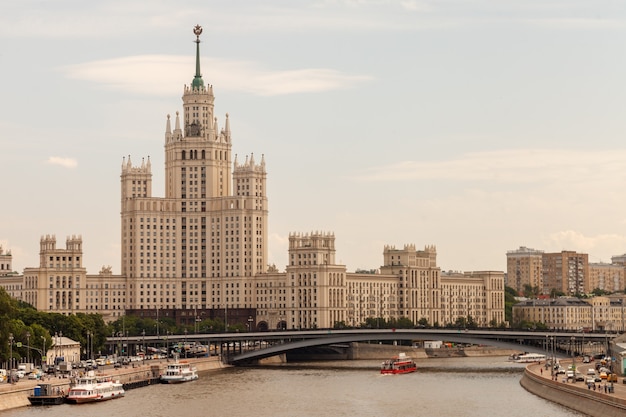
{"points": [[476, 126]]}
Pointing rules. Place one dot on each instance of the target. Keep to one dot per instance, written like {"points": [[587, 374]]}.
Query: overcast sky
{"points": [[476, 126]]}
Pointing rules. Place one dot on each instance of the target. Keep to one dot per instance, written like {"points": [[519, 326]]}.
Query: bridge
{"points": [[243, 348]]}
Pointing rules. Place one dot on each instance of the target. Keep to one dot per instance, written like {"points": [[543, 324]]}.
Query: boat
{"points": [[92, 387], [46, 394], [400, 364], [179, 371], [530, 357]]}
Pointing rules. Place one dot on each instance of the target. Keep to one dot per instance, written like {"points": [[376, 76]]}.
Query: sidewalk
{"points": [[619, 388]]}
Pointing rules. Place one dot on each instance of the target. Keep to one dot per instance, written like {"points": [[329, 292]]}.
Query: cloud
{"points": [[579, 242], [64, 162], [157, 74], [568, 23], [506, 166]]}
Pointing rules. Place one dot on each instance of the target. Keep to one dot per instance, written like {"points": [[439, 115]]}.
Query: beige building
{"points": [[568, 313], [607, 277], [524, 267], [479, 295], [203, 248], [6, 262]]}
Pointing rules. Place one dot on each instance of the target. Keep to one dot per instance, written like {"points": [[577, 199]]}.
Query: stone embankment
{"points": [[575, 395], [16, 395]]}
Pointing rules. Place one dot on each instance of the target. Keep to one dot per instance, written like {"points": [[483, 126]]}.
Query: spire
{"points": [[168, 130], [197, 82]]}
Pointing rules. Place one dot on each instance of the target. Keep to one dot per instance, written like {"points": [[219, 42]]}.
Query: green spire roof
{"points": [[197, 82]]}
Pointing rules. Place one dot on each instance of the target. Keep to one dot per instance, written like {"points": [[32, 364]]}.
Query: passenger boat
{"points": [[530, 357], [92, 387], [179, 371], [46, 394], [400, 364]]}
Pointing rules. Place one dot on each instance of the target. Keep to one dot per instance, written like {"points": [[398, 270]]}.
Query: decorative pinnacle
{"points": [[197, 82], [197, 30]]}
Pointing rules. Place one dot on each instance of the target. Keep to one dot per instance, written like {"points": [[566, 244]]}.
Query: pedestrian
{"points": [[541, 370], [605, 388]]}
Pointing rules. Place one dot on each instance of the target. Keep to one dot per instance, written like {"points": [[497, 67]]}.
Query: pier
{"points": [[132, 376]]}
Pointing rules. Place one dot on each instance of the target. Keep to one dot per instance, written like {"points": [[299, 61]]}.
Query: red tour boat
{"points": [[400, 364]]}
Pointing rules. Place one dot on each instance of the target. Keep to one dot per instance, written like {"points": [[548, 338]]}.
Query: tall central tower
{"points": [[202, 245]]}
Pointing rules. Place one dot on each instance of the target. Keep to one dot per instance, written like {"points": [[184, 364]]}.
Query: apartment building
{"points": [[524, 268]]}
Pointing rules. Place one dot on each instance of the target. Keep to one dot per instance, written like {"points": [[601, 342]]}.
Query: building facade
{"points": [[566, 271], [524, 268], [575, 314], [606, 277], [201, 250]]}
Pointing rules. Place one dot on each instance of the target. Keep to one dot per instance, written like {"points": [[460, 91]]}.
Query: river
{"points": [[441, 387]]}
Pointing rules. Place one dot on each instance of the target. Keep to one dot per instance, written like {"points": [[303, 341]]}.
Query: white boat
{"points": [[179, 371], [530, 357], [92, 387]]}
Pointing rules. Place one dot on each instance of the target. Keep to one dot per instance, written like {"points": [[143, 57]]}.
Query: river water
{"points": [[441, 387]]}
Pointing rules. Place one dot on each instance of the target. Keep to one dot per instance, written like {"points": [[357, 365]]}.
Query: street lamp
{"points": [[28, 347], [11, 354], [143, 341], [43, 350], [250, 320], [573, 357], [88, 345], [185, 343]]}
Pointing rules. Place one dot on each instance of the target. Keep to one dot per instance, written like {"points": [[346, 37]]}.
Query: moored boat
{"points": [[92, 387], [400, 364], [530, 357], [46, 394], [179, 371]]}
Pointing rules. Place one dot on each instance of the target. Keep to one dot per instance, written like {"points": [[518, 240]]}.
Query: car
{"points": [[36, 374], [590, 371], [591, 380], [560, 371], [570, 374], [580, 377], [603, 375], [20, 373]]}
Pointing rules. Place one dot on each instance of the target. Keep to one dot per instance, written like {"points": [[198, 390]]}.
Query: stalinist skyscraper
{"points": [[201, 245]]}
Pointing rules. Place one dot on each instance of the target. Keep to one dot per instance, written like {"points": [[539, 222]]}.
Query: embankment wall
{"points": [[578, 398]]}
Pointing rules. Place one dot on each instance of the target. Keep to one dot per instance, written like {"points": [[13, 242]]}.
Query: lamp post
{"points": [[250, 320], [88, 345], [143, 342], [43, 351], [573, 357], [185, 343], [11, 354], [28, 347]]}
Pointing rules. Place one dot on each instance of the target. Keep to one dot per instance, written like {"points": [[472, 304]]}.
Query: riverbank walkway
{"points": [[16, 394], [578, 395], [619, 388]]}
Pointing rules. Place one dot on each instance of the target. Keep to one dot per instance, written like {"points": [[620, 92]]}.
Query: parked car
{"points": [[591, 371], [580, 377]]}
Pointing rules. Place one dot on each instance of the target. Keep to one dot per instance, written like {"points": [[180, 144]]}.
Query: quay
{"points": [[575, 395], [132, 376]]}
